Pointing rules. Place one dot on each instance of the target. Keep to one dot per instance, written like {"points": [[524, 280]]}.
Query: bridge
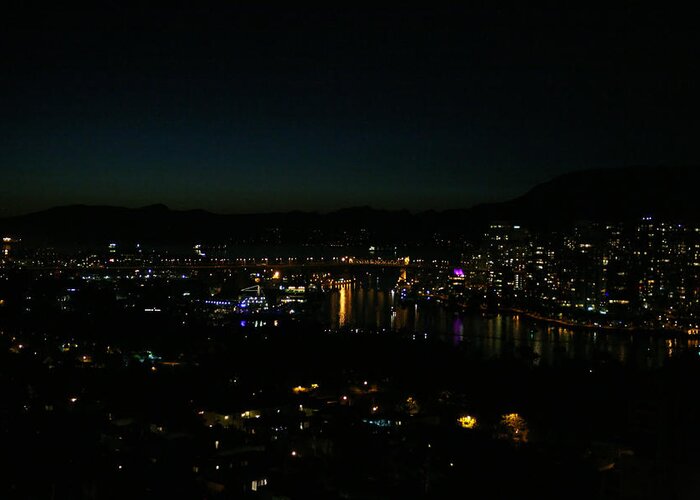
{"points": [[223, 265]]}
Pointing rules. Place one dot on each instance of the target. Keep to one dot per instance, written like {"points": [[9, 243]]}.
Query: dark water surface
{"points": [[360, 309]]}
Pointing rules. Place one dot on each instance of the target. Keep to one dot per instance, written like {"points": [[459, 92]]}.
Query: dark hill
{"points": [[613, 194], [595, 195]]}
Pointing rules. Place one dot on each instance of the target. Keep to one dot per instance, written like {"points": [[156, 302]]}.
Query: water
{"points": [[358, 308]]}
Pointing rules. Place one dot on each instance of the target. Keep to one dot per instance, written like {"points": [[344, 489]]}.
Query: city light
{"points": [[467, 422], [514, 428]]}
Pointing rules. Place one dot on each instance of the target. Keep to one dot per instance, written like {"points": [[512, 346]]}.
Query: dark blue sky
{"points": [[248, 110]]}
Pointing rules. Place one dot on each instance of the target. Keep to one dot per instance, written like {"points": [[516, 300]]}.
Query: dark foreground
{"points": [[295, 413]]}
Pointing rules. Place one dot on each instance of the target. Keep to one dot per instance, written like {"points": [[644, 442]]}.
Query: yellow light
{"points": [[467, 422], [300, 389], [276, 275], [514, 427]]}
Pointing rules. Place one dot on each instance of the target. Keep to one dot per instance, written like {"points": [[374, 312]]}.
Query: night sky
{"points": [[259, 110]]}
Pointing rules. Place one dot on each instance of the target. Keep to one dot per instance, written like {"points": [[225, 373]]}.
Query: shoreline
{"points": [[535, 316], [587, 326]]}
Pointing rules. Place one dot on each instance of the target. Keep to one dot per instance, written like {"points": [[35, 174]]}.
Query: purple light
{"points": [[458, 271]]}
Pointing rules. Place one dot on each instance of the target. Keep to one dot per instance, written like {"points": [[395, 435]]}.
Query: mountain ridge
{"points": [[598, 195]]}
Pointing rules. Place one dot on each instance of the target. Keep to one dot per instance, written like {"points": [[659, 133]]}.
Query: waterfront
{"points": [[355, 308]]}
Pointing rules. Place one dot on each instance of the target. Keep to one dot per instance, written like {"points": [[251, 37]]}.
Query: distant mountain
{"points": [[86, 225], [610, 194], [614, 194]]}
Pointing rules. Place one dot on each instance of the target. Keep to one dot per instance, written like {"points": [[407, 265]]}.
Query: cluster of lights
{"points": [[300, 389], [467, 422]]}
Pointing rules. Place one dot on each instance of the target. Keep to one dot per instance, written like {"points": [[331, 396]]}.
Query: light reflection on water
{"points": [[353, 307]]}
